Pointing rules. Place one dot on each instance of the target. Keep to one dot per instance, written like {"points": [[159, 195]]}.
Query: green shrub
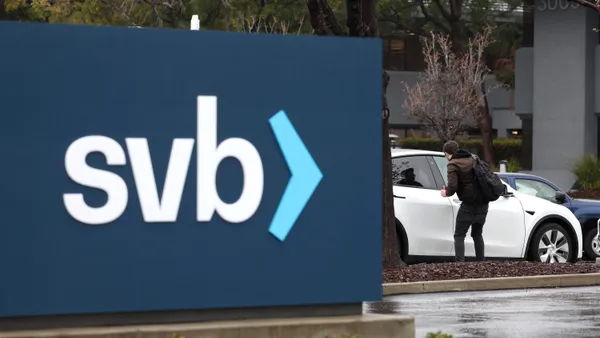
{"points": [[513, 165], [439, 334], [504, 148], [587, 172]]}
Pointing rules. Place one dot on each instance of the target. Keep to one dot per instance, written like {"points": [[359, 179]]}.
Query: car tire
{"points": [[591, 245], [402, 241], [552, 250]]}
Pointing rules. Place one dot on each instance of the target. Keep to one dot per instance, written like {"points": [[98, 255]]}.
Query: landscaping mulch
{"points": [[486, 269], [585, 194]]}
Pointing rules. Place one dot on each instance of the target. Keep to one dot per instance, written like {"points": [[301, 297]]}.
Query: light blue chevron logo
{"points": [[305, 176]]}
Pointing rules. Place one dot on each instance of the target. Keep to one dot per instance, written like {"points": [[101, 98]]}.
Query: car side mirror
{"points": [[560, 197]]}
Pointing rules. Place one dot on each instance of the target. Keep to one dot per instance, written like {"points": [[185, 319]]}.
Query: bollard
{"points": [[503, 166], [195, 23]]}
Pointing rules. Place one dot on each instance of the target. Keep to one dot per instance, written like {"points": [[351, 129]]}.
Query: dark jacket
{"points": [[461, 178]]}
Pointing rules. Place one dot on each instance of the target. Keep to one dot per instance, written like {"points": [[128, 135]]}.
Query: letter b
{"points": [[209, 155]]}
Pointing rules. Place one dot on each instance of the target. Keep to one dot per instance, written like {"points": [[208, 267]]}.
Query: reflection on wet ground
{"points": [[536, 313]]}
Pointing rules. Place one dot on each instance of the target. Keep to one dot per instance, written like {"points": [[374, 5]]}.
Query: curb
{"points": [[486, 284]]}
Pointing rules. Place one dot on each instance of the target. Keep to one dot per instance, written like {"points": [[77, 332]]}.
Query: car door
{"points": [[504, 229], [426, 216]]}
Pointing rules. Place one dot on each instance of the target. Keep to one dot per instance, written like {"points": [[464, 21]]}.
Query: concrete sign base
{"points": [[372, 326]]}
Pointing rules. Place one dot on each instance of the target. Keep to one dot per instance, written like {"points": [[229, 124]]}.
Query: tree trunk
{"points": [[485, 123], [485, 127], [362, 22], [456, 37], [361, 18], [391, 247], [391, 244]]}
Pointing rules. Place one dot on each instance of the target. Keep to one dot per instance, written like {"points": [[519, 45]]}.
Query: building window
{"points": [[513, 133], [403, 53], [393, 57]]}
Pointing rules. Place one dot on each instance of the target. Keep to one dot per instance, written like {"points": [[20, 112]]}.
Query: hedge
{"points": [[504, 148]]}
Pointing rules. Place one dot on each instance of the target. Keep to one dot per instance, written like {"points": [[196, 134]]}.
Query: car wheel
{"points": [[591, 244], [551, 243]]}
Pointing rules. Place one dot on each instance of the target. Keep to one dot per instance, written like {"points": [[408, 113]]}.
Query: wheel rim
{"points": [[596, 245], [554, 247]]}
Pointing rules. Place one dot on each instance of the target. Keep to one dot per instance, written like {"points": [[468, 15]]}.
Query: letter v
{"points": [[167, 208]]}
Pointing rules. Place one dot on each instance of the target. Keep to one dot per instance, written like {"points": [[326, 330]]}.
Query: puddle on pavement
{"points": [[539, 313]]}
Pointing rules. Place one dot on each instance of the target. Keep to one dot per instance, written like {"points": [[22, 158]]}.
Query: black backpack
{"points": [[489, 184]]}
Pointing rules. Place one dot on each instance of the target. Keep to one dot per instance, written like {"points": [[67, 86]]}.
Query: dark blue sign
{"points": [[149, 169]]}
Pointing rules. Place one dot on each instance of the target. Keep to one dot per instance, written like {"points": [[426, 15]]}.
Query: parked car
{"points": [[586, 211], [517, 226]]}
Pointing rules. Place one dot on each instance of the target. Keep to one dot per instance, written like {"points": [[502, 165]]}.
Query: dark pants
{"points": [[474, 217]]}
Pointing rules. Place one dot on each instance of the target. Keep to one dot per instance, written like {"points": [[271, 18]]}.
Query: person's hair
{"points": [[450, 147]]}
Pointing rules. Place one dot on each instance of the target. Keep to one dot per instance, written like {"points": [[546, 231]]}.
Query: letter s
{"points": [[80, 172]]}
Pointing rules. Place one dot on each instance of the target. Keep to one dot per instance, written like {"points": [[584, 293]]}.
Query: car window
{"points": [[442, 164], [536, 188], [412, 171], [504, 179]]}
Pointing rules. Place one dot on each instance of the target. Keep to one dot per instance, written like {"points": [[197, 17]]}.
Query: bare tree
{"points": [[271, 25], [460, 19], [154, 13], [449, 95], [593, 4]]}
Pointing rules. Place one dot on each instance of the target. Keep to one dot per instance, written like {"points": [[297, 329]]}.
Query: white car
{"points": [[518, 226]]}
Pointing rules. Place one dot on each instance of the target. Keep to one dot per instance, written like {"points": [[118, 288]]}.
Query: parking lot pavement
{"points": [[535, 313]]}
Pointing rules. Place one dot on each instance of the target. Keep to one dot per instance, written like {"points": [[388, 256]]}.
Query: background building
{"points": [[557, 92], [555, 105]]}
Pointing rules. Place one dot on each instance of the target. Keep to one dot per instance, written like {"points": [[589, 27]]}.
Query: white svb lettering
{"points": [[165, 208]]}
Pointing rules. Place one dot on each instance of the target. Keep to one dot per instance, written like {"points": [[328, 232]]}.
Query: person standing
{"points": [[473, 209]]}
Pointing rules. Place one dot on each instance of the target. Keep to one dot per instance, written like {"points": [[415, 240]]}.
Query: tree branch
{"points": [[431, 18], [595, 6], [123, 12], [444, 10], [398, 21]]}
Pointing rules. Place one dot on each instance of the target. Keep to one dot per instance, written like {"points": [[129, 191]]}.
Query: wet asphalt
{"points": [[535, 313]]}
